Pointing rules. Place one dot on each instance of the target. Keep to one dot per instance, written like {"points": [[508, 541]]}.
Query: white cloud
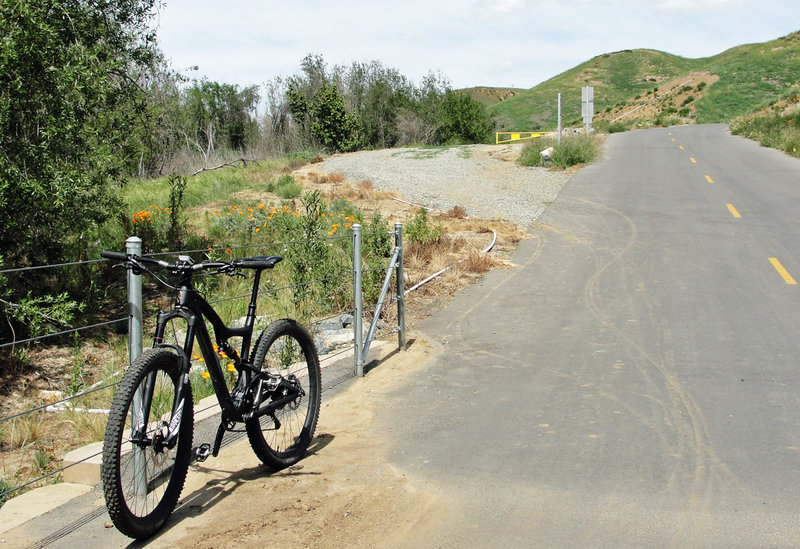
{"points": [[506, 6]]}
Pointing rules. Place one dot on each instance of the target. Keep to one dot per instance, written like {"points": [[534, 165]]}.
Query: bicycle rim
{"points": [[143, 480], [286, 349]]}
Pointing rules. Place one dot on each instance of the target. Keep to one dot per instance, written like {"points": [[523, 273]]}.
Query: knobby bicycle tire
{"points": [[286, 348], [142, 484]]}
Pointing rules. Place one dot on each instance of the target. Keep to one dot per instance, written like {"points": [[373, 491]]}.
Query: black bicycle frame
{"points": [[194, 309]]}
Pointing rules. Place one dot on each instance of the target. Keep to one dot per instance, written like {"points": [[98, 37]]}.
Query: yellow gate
{"points": [[509, 137]]}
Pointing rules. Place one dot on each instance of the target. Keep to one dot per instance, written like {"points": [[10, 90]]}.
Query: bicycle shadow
{"points": [[216, 490]]}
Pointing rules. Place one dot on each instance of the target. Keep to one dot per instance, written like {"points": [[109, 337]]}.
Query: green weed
{"points": [[419, 229], [573, 150]]}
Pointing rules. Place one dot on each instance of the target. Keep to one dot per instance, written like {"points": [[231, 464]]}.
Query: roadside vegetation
{"points": [[776, 126], [573, 150], [95, 126]]}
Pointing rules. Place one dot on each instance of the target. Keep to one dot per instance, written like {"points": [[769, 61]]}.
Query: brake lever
{"points": [[135, 268], [230, 270]]}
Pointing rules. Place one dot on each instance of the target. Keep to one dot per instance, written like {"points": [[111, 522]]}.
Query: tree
{"points": [[331, 125], [70, 93], [218, 112], [463, 119]]}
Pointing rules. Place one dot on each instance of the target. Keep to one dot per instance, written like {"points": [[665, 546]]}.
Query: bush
{"points": [[420, 230], [463, 120], [5, 487], [617, 127], [778, 131], [573, 150], [161, 228], [286, 187]]}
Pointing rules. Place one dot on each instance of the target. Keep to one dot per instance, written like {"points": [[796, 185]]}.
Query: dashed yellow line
{"points": [[693, 160], [708, 178], [781, 271], [681, 147], [733, 211]]}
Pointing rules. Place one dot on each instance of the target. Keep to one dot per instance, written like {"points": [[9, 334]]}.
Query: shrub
{"points": [[463, 120], [419, 229], [573, 150], [286, 187], [617, 127], [778, 131], [5, 487]]}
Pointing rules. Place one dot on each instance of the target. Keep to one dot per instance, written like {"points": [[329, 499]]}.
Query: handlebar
{"points": [[185, 265]]}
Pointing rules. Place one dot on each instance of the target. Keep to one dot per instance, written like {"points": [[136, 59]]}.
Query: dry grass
{"points": [[28, 441], [336, 178], [457, 212]]}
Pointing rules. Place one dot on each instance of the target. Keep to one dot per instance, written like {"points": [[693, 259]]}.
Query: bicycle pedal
{"points": [[202, 452]]}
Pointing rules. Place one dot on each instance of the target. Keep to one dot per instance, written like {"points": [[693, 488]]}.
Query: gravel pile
{"points": [[474, 177]]}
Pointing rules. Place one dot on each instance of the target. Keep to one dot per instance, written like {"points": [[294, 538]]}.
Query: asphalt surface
{"points": [[634, 383]]}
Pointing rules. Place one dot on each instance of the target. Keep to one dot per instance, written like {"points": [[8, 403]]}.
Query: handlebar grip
{"points": [[113, 255]]}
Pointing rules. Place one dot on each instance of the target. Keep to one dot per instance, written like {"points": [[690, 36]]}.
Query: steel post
{"points": [[134, 246], [401, 298], [358, 313]]}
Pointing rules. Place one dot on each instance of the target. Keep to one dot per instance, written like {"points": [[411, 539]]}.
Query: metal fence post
{"points": [[358, 313], [134, 246], [401, 297]]}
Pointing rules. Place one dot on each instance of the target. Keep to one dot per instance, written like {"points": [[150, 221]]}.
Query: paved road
{"points": [[635, 382]]}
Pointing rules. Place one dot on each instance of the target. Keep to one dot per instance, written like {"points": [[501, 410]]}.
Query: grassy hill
{"points": [[664, 88]]}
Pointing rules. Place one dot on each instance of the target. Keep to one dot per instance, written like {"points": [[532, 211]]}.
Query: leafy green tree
{"points": [[331, 125], [70, 73], [220, 113], [376, 95], [463, 119]]}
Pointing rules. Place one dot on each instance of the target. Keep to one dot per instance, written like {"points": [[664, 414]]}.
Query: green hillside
{"points": [[722, 87]]}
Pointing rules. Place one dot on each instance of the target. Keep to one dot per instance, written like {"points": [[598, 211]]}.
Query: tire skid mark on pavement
{"points": [[693, 438], [458, 321]]}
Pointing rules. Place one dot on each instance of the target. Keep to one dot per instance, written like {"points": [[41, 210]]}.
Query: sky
{"points": [[499, 43]]}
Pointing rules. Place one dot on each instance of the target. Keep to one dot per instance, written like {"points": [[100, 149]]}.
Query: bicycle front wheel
{"points": [[142, 476], [285, 348]]}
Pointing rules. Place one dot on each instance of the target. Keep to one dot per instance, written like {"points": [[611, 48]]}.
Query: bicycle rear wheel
{"points": [[142, 478], [285, 348]]}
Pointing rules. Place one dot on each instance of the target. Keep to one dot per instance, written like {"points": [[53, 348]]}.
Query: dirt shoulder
{"points": [[344, 494]]}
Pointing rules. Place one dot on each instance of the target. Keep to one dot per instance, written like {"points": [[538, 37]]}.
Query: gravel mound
{"points": [[479, 178]]}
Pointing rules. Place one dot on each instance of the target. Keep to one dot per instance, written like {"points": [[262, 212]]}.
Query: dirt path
{"points": [[344, 494]]}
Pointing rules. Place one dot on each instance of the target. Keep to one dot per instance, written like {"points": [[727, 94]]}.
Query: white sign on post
{"points": [[587, 104]]}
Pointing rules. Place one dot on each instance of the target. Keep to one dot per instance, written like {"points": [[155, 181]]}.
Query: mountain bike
{"points": [[275, 393]]}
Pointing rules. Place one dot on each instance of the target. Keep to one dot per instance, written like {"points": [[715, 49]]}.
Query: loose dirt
{"points": [[344, 494]]}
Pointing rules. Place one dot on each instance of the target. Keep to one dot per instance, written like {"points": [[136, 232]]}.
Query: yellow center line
{"points": [[693, 160], [733, 211], [681, 147], [708, 178], [673, 140], [781, 271]]}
